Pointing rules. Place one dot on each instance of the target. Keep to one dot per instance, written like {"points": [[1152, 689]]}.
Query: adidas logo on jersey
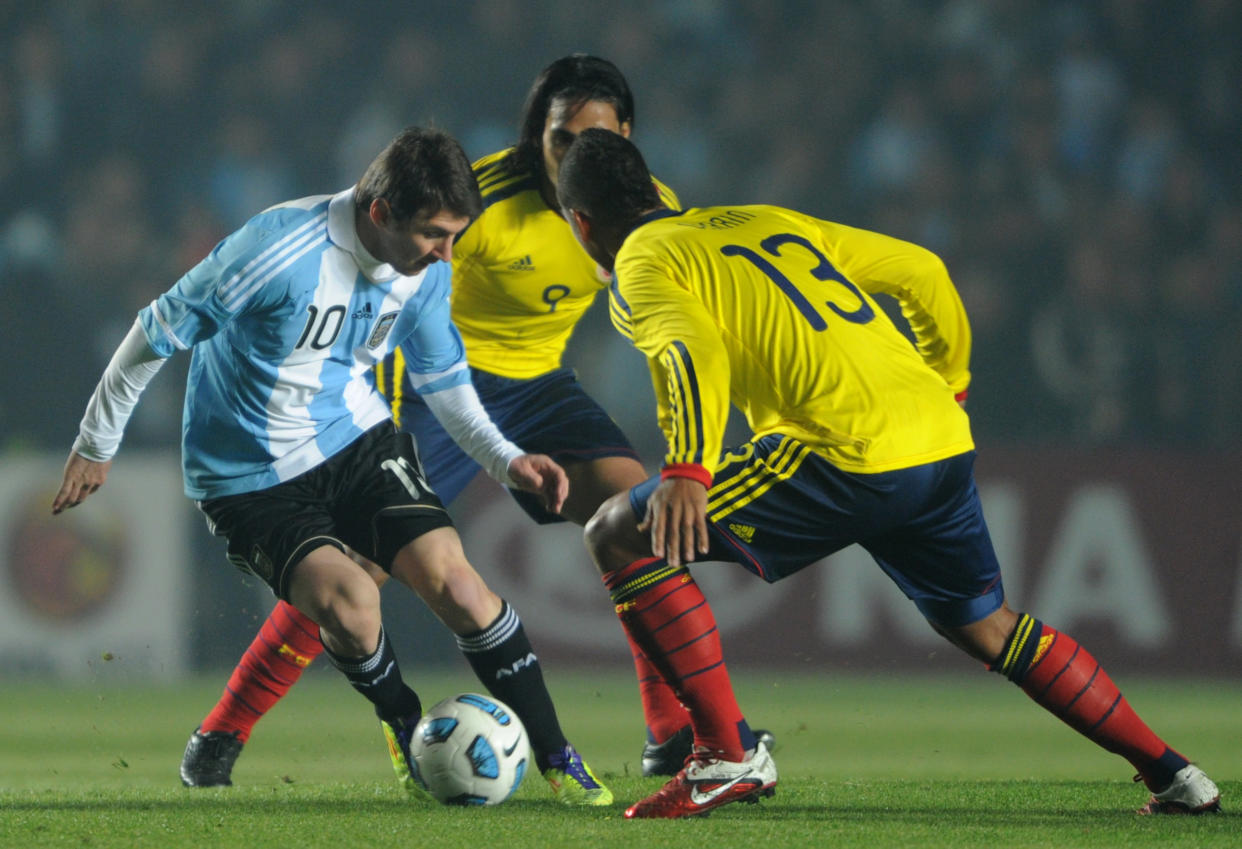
{"points": [[365, 312], [523, 264], [743, 532]]}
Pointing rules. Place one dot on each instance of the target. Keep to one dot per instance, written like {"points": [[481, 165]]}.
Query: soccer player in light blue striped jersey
{"points": [[289, 448], [521, 284]]}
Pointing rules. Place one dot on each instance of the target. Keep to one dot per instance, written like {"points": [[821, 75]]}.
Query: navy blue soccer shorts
{"points": [[776, 507], [550, 414]]}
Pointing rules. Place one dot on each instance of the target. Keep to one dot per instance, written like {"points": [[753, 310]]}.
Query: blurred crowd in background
{"points": [[1078, 165]]}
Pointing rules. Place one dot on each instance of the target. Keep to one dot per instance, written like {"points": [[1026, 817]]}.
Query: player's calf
{"points": [[1061, 676]]}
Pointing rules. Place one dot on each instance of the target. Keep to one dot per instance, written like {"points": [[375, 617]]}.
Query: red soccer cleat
{"points": [[705, 784]]}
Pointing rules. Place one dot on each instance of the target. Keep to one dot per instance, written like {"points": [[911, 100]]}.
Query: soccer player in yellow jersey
{"points": [[858, 438], [520, 285]]}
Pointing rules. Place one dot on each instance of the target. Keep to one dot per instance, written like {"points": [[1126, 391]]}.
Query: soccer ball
{"points": [[470, 750]]}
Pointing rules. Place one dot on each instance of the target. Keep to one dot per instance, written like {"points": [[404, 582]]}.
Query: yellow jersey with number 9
{"points": [[772, 310], [521, 282]]}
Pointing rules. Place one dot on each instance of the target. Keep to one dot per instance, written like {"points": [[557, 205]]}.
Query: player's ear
{"points": [[581, 223], [625, 129], [380, 212]]}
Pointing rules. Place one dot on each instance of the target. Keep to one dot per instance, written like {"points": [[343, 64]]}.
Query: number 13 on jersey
{"points": [[823, 270]]}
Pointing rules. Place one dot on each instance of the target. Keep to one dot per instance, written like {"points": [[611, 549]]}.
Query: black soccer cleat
{"points": [[669, 757], [209, 758]]}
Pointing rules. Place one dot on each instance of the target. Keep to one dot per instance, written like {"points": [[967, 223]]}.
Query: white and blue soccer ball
{"points": [[470, 750]]}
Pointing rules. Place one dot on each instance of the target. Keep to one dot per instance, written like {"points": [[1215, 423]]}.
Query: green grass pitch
{"points": [[889, 761]]}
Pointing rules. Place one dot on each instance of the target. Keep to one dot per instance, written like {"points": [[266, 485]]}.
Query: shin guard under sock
{"points": [[1066, 680], [286, 644], [378, 677], [665, 614], [663, 712], [502, 658]]}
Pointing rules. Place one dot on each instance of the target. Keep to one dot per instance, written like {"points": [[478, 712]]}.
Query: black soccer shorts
{"points": [[372, 497]]}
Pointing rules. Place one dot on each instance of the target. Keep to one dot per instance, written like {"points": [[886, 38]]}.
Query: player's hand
{"points": [[540, 474], [82, 477], [677, 520]]}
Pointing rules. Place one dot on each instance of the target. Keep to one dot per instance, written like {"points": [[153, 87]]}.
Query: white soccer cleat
{"points": [[1191, 792]]}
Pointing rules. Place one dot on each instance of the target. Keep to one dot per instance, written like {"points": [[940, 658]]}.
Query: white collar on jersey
{"points": [[343, 234]]}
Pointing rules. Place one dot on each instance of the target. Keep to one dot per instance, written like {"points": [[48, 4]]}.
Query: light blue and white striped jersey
{"points": [[286, 318]]}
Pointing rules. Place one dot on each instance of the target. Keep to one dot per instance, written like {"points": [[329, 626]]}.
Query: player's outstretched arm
{"points": [[540, 474], [82, 477], [99, 436]]}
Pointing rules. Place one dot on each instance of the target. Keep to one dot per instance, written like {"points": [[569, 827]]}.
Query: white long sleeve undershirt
{"points": [[460, 412], [127, 375]]}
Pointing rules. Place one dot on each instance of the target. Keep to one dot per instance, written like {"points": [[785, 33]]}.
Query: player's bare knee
{"points": [[428, 562], [609, 534], [472, 606], [439, 573], [595, 534], [462, 600], [334, 590], [349, 614], [986, 638], [456, 581]]}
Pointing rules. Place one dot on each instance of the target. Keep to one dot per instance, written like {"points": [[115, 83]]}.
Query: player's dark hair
{"points": [[577, 78], [604, 175], [421, 171]]}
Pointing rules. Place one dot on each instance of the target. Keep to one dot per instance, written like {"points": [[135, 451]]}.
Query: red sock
{"points": [[283, 648], [1064, 678], [666, 616], [663, 711]]}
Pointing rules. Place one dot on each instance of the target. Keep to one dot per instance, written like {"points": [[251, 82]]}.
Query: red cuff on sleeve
{"points": [[961, 396], [687, 470]]}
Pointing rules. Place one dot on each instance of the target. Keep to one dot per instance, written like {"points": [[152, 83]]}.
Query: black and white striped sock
{"points": [[378, 677], [502, 658]]}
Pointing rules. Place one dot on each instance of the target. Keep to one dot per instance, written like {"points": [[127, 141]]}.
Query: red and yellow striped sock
{"points": [[1063, 677], [663, 712], [667, 618]]}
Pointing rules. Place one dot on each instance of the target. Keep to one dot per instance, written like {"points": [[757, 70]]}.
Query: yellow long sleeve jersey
{"points": [[770, 309], [521, 282]]}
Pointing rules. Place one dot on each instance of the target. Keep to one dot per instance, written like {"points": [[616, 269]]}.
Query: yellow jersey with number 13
{"points": [[770, 309]]}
